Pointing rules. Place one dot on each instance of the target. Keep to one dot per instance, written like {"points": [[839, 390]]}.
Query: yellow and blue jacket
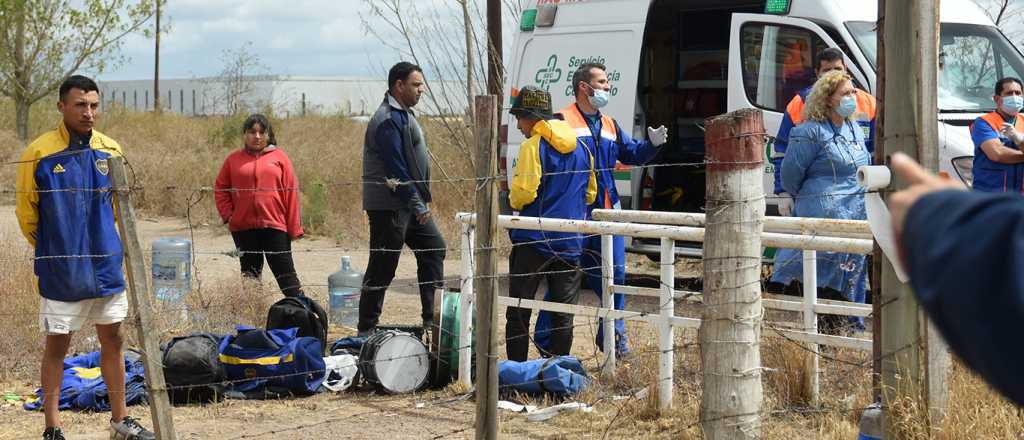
{"points": [[554, 178], [65, 210]]}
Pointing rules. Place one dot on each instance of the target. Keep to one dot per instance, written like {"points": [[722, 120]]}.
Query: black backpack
{"points": [[302, 312], [192, 369]]}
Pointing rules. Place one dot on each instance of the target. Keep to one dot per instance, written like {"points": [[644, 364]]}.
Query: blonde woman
{"points": [[820, 171]]}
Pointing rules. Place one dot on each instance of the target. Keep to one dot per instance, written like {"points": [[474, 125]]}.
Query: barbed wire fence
{"points": [[606, 394]]}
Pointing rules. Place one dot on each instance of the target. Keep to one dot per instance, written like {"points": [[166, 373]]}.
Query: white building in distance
{"points": [[283, 95]]}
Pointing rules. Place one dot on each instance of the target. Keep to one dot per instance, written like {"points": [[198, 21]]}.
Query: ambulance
{"points": [[677, 62]]}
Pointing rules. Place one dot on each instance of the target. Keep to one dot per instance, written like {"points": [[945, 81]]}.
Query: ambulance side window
{"points": [[777, 62]]}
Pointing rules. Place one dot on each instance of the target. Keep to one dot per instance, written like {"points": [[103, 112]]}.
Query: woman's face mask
{"points": [[847, 105]]}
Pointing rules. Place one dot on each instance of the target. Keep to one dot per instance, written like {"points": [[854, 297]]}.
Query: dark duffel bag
{"points": [[192, 369]]}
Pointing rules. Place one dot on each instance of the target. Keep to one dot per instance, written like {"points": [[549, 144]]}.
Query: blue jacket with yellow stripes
{"points": [[554, 178], [65, 210]]}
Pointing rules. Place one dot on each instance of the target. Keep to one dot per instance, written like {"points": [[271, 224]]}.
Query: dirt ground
{"points": [[430, 414]]}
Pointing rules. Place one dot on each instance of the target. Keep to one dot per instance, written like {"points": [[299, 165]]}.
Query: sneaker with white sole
{"points": [[129, 429]]}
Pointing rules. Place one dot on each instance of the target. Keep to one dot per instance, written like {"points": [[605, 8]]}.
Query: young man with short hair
{"points": [[65, 210]]}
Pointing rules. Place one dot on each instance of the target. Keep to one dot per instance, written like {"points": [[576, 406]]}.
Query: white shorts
{"points": [[61, 318]]}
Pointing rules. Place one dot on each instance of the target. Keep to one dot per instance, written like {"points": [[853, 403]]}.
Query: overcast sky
{"points": [[297, 37]]}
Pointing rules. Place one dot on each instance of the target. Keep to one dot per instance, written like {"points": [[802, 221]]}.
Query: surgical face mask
{"points": [[599, 99], [847, 105], [1012, 104]]}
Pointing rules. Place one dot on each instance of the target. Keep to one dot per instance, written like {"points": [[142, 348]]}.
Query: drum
{"points": [[395, 362]]}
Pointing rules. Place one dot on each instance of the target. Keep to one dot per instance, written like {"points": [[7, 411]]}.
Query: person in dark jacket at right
{"points": [[964, 252], [396, 194]]}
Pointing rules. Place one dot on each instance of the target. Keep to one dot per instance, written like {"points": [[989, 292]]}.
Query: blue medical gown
{"points": [[820, 171]]}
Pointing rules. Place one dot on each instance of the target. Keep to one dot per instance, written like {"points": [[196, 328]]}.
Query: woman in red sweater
{"points": [[257, 196]]}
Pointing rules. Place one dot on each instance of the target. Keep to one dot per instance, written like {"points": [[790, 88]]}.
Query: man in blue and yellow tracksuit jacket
{"points": [[554, 178], [828, 60], [66, 211], [612, 146]]}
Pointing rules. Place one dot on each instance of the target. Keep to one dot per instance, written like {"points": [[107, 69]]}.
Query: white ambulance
{"points": [[676, 62]]}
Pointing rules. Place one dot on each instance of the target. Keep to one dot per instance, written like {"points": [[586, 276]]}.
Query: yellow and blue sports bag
{"points": [[258, 360]]}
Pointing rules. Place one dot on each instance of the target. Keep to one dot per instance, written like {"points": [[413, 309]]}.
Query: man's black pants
{"points": [[563, 286], [389, 230], [255, 244]]}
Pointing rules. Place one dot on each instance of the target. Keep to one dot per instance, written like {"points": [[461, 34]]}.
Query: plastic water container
{"points": [[871, 423], [343, 288], [172, 272]]}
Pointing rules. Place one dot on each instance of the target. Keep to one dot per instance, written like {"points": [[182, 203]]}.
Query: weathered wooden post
{"points": [[486, 284], [730, 332], [914, 359], [138, 292]]}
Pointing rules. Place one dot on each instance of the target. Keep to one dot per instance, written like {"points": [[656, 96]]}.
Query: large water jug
{"points": [[172, 273], [343, 288]]}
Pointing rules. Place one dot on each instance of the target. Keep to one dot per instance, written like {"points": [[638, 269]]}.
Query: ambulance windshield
{"points": [[971, 59]]}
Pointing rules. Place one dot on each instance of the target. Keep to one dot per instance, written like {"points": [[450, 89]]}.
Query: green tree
{"points": [[42, 42]]}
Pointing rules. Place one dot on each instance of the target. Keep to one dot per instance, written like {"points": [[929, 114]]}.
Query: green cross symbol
{"points": [[550, 74]]}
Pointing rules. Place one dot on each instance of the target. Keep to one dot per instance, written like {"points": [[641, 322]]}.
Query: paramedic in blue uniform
{"points": [[829, 60], [612, 145], [65, 210], [964, 252], [998, 136], [820, 171], [554, 178]]}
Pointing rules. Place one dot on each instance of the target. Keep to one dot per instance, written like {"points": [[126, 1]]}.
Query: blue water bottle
{"points": [[343, 289]]}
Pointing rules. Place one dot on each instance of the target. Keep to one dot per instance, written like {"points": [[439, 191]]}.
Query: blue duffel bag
{"points": [[562, 376], [257, 360]]}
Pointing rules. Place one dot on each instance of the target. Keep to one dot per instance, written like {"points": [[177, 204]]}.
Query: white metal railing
{"points": [[814, 235]]}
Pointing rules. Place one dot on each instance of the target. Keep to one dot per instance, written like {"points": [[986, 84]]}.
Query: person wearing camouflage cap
{"points": [[554, 178]]}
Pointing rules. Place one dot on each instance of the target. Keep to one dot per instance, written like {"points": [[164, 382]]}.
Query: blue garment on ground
{"points": [[348, 344], [257, 359], [820, 171], [965, 257], [562, 376], [590, 261], [83, 388]]}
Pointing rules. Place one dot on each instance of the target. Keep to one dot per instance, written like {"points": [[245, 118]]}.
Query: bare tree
{"points": [[234, 86], [42, 42], [1006, 14]]}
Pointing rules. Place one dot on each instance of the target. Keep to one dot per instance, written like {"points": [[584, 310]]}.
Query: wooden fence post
{"points": [[138, 292], [486, 285], [914, 359], [730, 330]]}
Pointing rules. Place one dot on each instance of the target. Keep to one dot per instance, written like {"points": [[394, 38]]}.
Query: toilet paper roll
{"points": [[873, 178]]}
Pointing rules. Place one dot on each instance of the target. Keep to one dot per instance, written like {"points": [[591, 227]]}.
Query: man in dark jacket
{"points": [[964, 252], [396, 192]]}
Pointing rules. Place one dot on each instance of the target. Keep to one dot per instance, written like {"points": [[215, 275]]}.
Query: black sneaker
{"points": [[129, 429], [53, 434]]}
